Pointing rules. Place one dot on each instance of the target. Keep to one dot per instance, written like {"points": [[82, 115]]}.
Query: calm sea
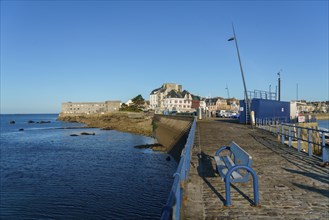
{"points": [[48, 174], [323, 124]]}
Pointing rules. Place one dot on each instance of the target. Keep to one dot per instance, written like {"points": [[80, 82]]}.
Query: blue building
{"points": [[265, 109]]}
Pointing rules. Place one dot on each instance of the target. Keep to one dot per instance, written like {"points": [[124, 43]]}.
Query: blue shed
{"points": [[266, 109]]}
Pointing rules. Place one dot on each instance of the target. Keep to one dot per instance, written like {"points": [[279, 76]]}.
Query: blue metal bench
{"points": [[235, 167]]}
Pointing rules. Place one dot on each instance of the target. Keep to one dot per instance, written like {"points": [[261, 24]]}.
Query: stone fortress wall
{"points": [[90, 107]]}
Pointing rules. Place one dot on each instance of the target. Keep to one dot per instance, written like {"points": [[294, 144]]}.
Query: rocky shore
{"points": [[137, 123], [322, 116], [170, 131]]}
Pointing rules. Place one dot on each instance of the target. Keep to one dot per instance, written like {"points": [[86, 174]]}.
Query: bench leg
{"points": [[228, 184], [228, 192]]}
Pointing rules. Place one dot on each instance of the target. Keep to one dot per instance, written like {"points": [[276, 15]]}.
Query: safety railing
{"points": [[172, 209], [310, 140], [258, 94]]}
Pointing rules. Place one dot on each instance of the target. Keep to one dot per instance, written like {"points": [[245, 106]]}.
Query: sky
{"points": [[85, 51]]}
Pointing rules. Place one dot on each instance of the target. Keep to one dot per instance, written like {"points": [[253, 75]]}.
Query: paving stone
{"points": [[291, 184]]}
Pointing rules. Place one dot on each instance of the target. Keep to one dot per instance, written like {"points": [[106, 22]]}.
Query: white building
{"points": [[203, 104], [129, 102], [155, 98], [178, 101], [157, 95]]}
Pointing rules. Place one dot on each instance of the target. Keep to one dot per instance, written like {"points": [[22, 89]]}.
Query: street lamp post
{"points": [[246, 100]]}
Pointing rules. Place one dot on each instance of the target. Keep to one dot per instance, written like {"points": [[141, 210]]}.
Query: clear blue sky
{"points": [[59, 51]]}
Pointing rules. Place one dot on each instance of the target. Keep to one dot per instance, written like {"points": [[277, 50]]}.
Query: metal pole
{"points": [[282, 135], [298, 139], [279, 87], [297, 93], [309, 140], [228, 92], [290, 139], [244, 83]]}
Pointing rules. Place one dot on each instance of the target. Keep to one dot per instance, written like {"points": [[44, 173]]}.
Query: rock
{"points": [[86, 133], [324, 164], [12, 122], [155, 147], [137, 124], [74, 135], [30, 122], [21, 129], [43, 122], [107, 128], [135, 115]]}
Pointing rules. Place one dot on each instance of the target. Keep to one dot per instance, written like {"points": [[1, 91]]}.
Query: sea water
{"points": [[323, 124], [48, 174]]}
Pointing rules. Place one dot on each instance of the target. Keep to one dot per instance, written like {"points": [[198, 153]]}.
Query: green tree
{"points": [[136, 106], [139, 101]]}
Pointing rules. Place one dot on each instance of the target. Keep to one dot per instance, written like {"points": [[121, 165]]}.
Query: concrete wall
{"points": [[172, 132]]}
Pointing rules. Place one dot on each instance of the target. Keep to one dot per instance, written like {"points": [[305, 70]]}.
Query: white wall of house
{"points": [[293, 110], [178, 104], [157, 98], [203, 104], [129, 102], [154, 101]]}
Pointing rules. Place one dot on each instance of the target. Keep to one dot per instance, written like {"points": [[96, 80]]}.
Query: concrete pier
{"points": [[291, 184]]}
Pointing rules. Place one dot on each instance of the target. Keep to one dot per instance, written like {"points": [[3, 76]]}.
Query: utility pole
{"points": [[279, 86]]}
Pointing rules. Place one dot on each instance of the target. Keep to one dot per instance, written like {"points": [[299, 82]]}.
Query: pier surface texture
{"points": [[291, 184]]}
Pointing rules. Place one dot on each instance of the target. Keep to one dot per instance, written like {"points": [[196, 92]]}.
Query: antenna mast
{"points": [[228, 92]]}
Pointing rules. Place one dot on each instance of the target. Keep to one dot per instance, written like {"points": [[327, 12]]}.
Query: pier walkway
{"points": [[291, 184]]}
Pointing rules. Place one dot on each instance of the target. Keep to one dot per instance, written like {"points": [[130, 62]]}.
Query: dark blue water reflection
{"points": [[323, 124], [48, 174]]}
